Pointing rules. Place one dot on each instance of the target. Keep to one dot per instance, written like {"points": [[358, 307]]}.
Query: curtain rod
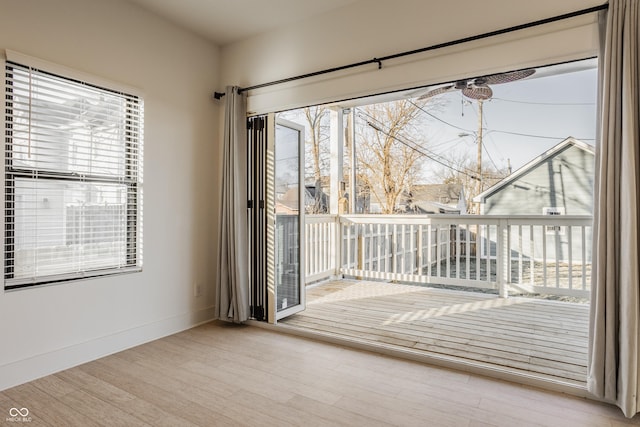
{"points": [[605, 6]]}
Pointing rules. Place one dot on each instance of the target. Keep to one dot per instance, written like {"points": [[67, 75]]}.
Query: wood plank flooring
{"points": [[228, 375], [545, 338]]}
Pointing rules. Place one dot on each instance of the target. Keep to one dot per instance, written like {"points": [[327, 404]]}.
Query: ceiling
{"points": [[227, 21]]}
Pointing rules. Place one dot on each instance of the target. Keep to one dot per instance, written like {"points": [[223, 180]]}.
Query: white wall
{"points": [[46, 329], [375, 28]]}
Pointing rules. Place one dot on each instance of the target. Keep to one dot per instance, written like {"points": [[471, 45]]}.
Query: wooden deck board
{"points": [[423, 333], [546, 338], [553, 316], [460, 328], [503, 323]]}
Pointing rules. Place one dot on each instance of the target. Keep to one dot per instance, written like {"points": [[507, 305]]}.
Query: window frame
{"points": [[130, 178]]}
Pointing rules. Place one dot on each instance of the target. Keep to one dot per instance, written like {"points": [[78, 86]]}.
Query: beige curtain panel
{"points": [[233, 277], [614, 373]]}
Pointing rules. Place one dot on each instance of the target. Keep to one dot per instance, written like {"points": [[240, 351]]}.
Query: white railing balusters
{"points": [[449, 249], [447, 239], [531, 258], [457, 254], [438, 251], [570, 254], [556, 241], [479, 249], [520, 251], [584, 260], [544, 252], [322, 245], [501, 260], [488, 243], [429, 251]]}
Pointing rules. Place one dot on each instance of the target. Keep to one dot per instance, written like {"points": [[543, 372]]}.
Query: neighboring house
{"points": [[428, 199], [315, 202], [559, 181], [435, 199], [288, 203]]}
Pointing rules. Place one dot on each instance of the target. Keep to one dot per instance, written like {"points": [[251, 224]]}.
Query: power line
{"points": [[560, 138], [545, 103], [486, 150], [437, 118], [414, 146], [440, 144], [490, 158]]}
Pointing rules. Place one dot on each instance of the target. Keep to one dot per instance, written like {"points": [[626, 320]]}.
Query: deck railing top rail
{"points": [[462, 219], [532, 253]]}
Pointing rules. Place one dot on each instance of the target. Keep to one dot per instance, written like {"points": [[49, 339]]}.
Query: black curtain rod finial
{"points": [[218, 95]]}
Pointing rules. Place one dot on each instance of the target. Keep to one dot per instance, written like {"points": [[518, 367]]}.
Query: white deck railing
{"points": [[541, 254], [321, 247]]}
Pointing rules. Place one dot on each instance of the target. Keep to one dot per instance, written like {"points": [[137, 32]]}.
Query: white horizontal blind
{"points": [[73, 179]]}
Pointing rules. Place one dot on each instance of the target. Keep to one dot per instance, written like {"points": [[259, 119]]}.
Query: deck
{"points": [[548, 339]]}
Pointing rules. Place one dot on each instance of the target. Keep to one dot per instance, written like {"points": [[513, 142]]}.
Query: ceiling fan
{"points": [[479, 88]]}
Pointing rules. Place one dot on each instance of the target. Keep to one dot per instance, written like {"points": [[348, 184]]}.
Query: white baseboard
{"points": [[25, 370]]}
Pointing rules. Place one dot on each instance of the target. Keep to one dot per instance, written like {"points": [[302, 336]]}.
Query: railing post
{"points": [[337, 247], [360, 249], [394, 243], [502, 258], [419, 257]]}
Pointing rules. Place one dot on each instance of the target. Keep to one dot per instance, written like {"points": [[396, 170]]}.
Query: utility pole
{"points": [[479, 159], [336, 141], [351, 138]]}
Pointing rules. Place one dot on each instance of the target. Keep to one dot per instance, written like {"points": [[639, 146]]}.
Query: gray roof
{"points": [[447, 194]]}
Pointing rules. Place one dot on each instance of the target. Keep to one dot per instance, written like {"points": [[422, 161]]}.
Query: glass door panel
{"points": [[289, 218]]}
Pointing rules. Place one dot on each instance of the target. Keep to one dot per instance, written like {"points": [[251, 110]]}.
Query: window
{"points": [[73, 179]]}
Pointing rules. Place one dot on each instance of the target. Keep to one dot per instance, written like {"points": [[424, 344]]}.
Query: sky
{"points": [[522, 120]]}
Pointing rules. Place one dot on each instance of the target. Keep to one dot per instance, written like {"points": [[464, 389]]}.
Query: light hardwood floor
{"points": [[546, 339], [226, 375]]}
